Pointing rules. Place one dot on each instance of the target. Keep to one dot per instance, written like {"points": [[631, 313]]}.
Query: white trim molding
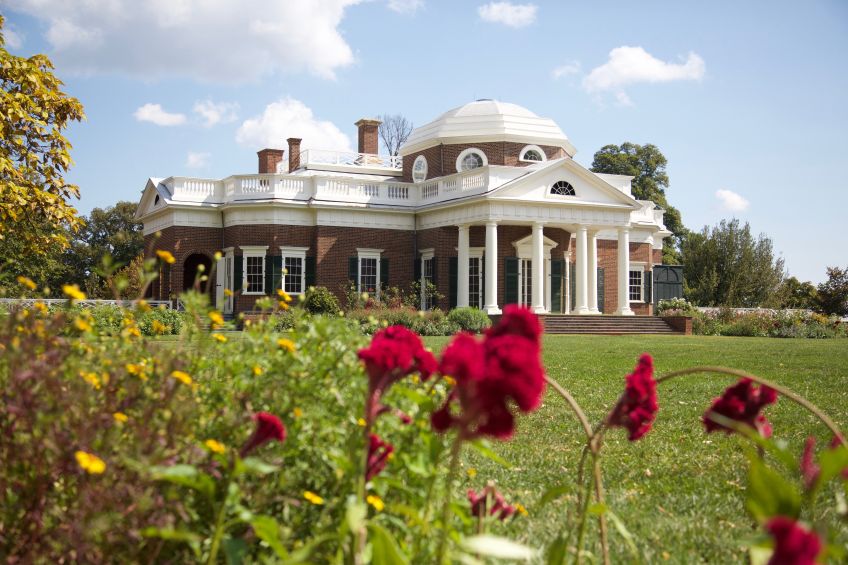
{"points": [[368, 253], [290, 252], [253, 251]]}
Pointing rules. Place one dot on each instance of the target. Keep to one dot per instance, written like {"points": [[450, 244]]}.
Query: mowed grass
{"points": [[679, 491]]}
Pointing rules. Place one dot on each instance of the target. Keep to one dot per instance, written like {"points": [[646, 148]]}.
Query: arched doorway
{"points": [[192, 271]]}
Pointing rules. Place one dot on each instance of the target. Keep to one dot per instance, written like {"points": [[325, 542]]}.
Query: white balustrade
{"points": [[349, 159]]}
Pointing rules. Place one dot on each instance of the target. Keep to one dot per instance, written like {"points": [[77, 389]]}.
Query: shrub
{"points": [[470, 319], [170, 322], [675, 307], [319, 300]]}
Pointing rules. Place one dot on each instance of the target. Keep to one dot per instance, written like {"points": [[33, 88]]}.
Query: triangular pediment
{"points": [[149, 202]]}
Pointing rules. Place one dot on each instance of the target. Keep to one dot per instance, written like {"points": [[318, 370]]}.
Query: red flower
{"points": [[479, 502], [809, 469], [491, 375], [793, 545], [742, 402], [394, 353], [637, 407], [268, 428], [835, 443], [378, 456]]}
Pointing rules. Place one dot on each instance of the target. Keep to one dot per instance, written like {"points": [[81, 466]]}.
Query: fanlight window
{"points": [[532, 155], [562, 188], [472, 161], [419, 169]]}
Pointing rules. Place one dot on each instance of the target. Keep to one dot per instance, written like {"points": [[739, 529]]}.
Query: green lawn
{"points": [[679, 491]]}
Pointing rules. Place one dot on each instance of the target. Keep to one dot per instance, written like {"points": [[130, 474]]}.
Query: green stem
{"points": [[581, 530], [572, 403], [599, 498], [452, 472], [219, 522], [791, 395]]}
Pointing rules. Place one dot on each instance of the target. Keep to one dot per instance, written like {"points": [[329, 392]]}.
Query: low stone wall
{"points": [[681, 324]]}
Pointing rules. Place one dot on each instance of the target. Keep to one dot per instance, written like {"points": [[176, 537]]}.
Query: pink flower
{"points": [[517, 320], [479, 502], [637, 408], [378, 455], [835, 443], [793, 545], [268, 428], [809, 469], [742, 402]]}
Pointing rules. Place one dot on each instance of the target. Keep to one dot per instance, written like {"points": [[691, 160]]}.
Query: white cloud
{"points": [[214, 113], [512, 15], [291, 118], [632, 65], [405, 6], [731, 201], [227, 41], [13, 39], [154, 114], [197, 160], [571, 68]]}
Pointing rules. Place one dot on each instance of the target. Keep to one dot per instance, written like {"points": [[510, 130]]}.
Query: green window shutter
{"points": [[600, 289], [238, 272], [310, 272], [435, 271], [353, 271], [556, 285], [453, 269], [269, 274], [416, 269], [384, 272], [649, 286], [511, 280], [572, 285]]}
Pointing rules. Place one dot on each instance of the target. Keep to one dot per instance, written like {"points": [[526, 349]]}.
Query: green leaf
{"points": [[553, 493], [355, 514], [482, 447], [187, 476], [384, 548], [498, 547], [769, 494], [170, 534], [267, 529], [257, 466], [303, 554], [556, 552], [832, 462], [234, 550]]}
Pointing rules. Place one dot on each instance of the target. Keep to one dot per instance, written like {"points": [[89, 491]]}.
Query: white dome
{"points": [[487, 120]]}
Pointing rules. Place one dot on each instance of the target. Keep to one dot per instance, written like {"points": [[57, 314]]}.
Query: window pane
{"points": [[368, 275], [427, 278], [635, 285], [254, 278], [475, 294], [294, 274]]}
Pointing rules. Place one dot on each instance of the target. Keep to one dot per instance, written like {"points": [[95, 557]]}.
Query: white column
{"points": [[538, 279], [624, 273], [491, 298], [593, 273], [462, 268], [581, 305]]}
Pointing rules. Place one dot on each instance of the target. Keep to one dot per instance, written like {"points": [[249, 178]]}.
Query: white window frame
{"points": [[287, 251], [477, 253], [467, 152], [365, 253], [252, 251], [426, 255], [527, 148], [420, 159], [640, 267]]}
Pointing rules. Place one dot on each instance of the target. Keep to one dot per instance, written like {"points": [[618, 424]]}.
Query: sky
{"points": [[747, 100]]}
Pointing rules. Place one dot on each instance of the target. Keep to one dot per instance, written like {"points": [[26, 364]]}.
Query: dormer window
{"points": [[562, 188], [532, 153], [471, 158], [419, 169]]}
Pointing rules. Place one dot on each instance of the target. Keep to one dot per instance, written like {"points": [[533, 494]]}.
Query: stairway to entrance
{"points": [[606, 325]]}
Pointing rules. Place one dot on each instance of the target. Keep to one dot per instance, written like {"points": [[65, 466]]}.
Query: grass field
{"points": [[679, 491]]}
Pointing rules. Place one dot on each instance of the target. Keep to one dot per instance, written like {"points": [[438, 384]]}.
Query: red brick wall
{"points": [[441, 159], [181, 241], [269, 159]]}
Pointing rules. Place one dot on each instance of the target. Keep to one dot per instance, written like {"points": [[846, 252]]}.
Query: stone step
{"points": [[606, 325]]}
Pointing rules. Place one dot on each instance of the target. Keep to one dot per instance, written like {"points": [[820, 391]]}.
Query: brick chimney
{"points": [[294, 153], [269, 159], [368, 138]]}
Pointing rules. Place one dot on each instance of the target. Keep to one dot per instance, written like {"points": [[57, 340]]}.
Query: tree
{"points": [[394, 131], [35, 216], [727, 266], [793, 293], [646, 164], [833, 293]]}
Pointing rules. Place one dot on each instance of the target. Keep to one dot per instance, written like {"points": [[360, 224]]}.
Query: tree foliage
{"points": [[35, 216], [646, 164], [727, 266], [793, 293], [394, 131], [833, 293]]}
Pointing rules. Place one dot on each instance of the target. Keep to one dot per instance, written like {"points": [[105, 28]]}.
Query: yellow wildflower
{"points": [[132, 331], [181, 376], [297, 412], [415, 379], [313, 498], [158, 327], [91, 378], [218, 255], [120, 417], [166, 256], [73, 291], [136, 369], [450, 380], [219, 338], [228, 292], [215, 446], [142, 305], [286, 344], [472, 472], [27, 282], [284, 295], [283, 305], [520, 508], [216, 318], [376, 502], [82, 325], [40, 306], [90, 463], [361, 422], [257, 370]]}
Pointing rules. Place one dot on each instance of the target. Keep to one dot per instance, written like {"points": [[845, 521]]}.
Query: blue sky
{"points": [[747, 100]]}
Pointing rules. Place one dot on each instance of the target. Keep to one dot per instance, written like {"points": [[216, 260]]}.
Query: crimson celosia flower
{"points": [[742, 402], [637, 407], [268, 428], [809, 469], [479, 502], [491, 375], [793, 545], [834, 444], [394, 353], [378, 456]]}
